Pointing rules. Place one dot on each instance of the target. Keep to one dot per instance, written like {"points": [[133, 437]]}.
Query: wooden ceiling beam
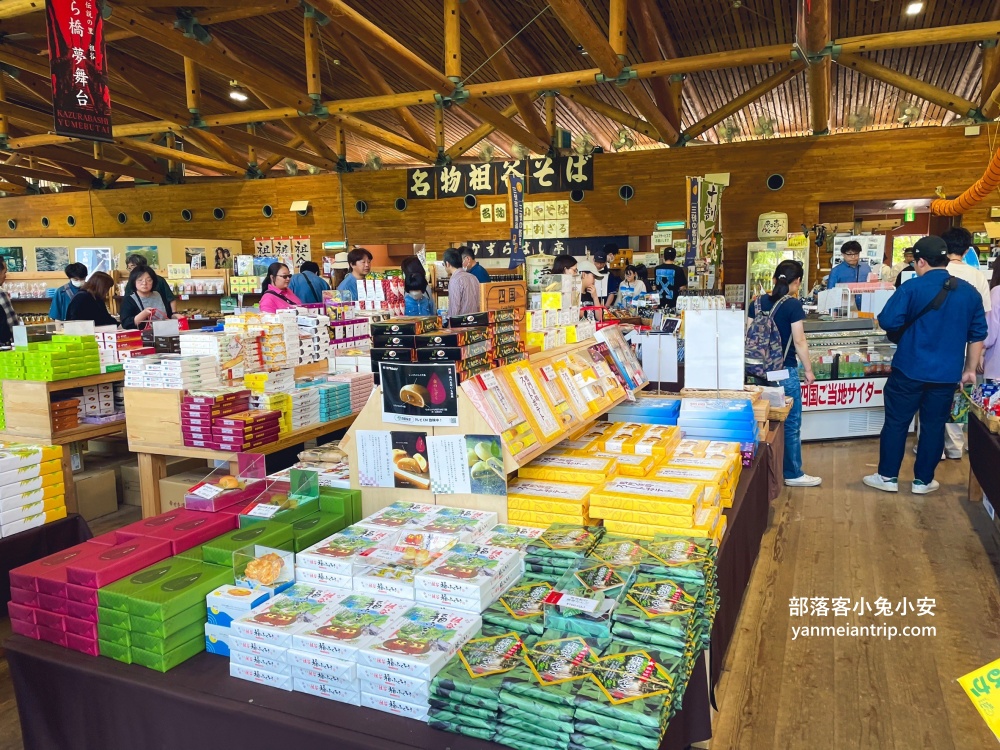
{"points": [[15, 8], [274, 147], [69, 168], [453, 39], [41, 174], [373, 77], [944, 99], [459, 147], [212, 17], [649, 49], [989, 102], [386, 138], [182, 156], [612, 113], [417, 69], [732, 107], [268, 164], [486, 34], [143, 161], [967, 32], [15, 188], [310, 38], [70, 156], [581, 26], [817, 27]]}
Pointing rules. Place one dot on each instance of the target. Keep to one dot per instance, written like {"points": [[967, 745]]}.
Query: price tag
{"points": [[264, 510], [206, 490], [983, 689], [178, 271], [571, 601]]}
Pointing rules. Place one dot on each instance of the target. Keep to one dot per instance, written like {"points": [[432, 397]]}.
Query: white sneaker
{"points": [[919, 488], [954, 456], [804, 481], [879, 482]]}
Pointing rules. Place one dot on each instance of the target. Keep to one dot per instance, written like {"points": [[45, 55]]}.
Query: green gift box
{"points": [[111, 634], [178, 592], [115, 651], [304, 509], [164, 646], [338, 501], [267, 534], [316, 528], [117, 595], [164, 662], [113, 617], [166, 628]]}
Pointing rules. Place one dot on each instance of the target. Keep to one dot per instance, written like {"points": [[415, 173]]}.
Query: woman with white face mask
{"points": [[77, 274]]}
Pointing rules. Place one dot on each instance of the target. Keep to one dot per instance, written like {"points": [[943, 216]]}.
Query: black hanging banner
{"points": [[420, 183], [81, 99], [576, 172]]}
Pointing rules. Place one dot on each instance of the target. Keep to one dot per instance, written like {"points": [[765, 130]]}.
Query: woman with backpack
{"points": [[778, 317]]}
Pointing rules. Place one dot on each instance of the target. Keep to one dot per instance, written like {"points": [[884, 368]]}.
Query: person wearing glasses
{"points": [[275, 292], [852, 270]]}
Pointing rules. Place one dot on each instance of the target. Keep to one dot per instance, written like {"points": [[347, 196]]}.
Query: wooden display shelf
{"points": [[155, 433], [28, 412]]}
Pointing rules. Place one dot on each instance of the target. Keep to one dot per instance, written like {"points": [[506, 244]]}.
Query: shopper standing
{"points": [[939, 325], [145, 305], [784, 306], [307, 284], [77, 274], [417, 294], [162, 287], [91, 303], [360, 261], [607, 282], [671, 279], [632, 288], [463, 287], [9, 318], [470, 264], [991, 353], [275, 294]]}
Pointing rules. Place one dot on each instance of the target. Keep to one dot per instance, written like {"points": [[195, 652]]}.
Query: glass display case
{"points": [[764, 257], [851, 360]]}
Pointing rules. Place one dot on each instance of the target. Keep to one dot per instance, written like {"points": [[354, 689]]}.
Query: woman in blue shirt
{"points": [[786, 310], [77, 274]]}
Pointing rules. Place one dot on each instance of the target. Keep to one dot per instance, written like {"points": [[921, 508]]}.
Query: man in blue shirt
{"points": [[307, 284], [940, 349], [852, 270], [360, 261], [470, 264]]}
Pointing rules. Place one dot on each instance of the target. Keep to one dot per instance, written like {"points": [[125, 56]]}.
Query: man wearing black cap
{"points": [[939, 326], [607, 287]]}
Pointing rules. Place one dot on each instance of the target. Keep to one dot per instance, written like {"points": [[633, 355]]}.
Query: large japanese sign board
{"points": [[545, 174], [857, 393], [81, 100]]}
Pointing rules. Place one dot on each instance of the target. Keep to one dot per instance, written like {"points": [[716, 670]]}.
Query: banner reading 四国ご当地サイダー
{"points": [[81, 99]]}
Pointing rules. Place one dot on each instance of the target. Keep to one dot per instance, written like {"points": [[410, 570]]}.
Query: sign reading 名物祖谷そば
{"points": [[81, 100], [856, 393]]}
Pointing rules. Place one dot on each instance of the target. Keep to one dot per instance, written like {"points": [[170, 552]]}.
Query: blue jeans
{"points": [[792, 468], [904, 398]]}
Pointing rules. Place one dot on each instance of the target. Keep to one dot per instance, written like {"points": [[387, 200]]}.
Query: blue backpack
{"points": [[763, 352]]}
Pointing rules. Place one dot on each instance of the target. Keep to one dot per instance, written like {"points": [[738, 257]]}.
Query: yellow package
{"points": [[547, 506], [582, 405], [573, 469], [705, 524], [528, 392], [623, 439], [562, 492], [720, 530], [628, 466], [650, 495], [727, 464], [575, 445], [562, 405], [722, 448], [588, 381], [712, 479], [593, 431], [608, 381], [532, 518], [52, 452], [638, 516], [53, 466], [691, 448]]}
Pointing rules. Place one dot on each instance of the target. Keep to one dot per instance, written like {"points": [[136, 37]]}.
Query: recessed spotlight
{"points": [[913, 8], [237, 95]]}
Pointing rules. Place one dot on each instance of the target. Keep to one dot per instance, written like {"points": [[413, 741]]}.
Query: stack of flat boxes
{"points": [[334, 401], [32, 492], [12, 364], [237, 353], [347, 334], [503, 332], [167, 344], [116, 346], [305, 407], [66, 413], [393, 340], [362, 384], [200, 409], [62, 358], [172, 371], [314, 338], [99, 400], [554, 315], [270, 391]]}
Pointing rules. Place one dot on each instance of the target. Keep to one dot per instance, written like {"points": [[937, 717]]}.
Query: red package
{"points": [[105, 540], [80, 627], [117, 562], [22, 613], [52, 635], [81, 611], [24, 597], [81, 594], [46, 619], [48, 575], [57, 604], [84, 645], [26, 629], [183, 528]]}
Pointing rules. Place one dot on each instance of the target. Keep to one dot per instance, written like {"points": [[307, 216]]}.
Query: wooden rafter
{"points": [[212, 17], [274, 147], [268, 164], [612, 113], [581, 26], [741, 101], [453, 39], [61, 155], [649, 49], [385, 138], [15, 8], [486, 34], [945, 99], [817, 27], [483, 131], [969, 32], [182, 156], [40, 174], [12, 187]]}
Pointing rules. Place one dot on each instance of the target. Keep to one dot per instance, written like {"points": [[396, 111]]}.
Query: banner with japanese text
{"points": [[858, 393], [517, 221], [81, 99]]}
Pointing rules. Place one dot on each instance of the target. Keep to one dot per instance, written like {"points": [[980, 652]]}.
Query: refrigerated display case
{"points": [[851, 360], [764, 257]]}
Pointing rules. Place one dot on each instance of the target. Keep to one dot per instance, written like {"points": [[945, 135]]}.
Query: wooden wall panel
{"points": [[876, 165]]}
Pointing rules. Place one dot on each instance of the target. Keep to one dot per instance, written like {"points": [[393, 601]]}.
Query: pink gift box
{"points": [[83, 644], [57, 604], [24, 597], [22, 613], [46, 619], [226, 498], [81, 611], [81, 594], [192, 430], [117, 562], [48, 575], [25, 628], [196, 422], [183, 528], [80, 627], [105, 540], [52, 635]]}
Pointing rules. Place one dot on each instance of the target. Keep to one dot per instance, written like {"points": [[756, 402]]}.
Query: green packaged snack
{"points": [[575, 744], [526, 705], [648, 638], [519, 738], [117, 595], [592, 732], [115, 651], [621, 551], [590, 593], [113, 617], [520, 609], [163, 646], [451, 717], [165, 662], [663, 606], [542, 727], [267, 534], [176, 593], [460, 728], [289, 515], [481, 665], [525, 720], [338, 501], [462, 709], [632, 688], [563, 540], [315, 528], [469, 699], [680, 557], [166, 628], [111, 634]]}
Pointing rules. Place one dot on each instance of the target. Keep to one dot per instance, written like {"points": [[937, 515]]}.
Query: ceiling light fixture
{"points": [[236, 92], [913, 8]]}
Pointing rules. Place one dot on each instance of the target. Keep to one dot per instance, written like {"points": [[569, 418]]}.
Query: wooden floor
{"points": [[842, 540], [846, 540]]}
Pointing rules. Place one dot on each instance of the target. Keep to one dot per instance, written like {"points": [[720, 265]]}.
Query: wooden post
{"points": [[817, 27], [3, 98], [152, 468], [340, 142], [453, 40], [192, 82], [676, 83], [550, 117], [439, 128], [962, 33], [310, 34], [251, 151], [618, 27]]}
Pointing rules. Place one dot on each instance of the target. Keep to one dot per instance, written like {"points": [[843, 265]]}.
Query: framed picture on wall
{"points": [[94, 258], [51, 258], [150, 252]]}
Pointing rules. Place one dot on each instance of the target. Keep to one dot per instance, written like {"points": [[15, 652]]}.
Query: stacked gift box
{"points": [[334, 401], [61, 358], [116, 346], [32, 492], [502, 329], [279, 335], [237, 353], [362, 384], [200, 408], [172, 371], [314, 338]]}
